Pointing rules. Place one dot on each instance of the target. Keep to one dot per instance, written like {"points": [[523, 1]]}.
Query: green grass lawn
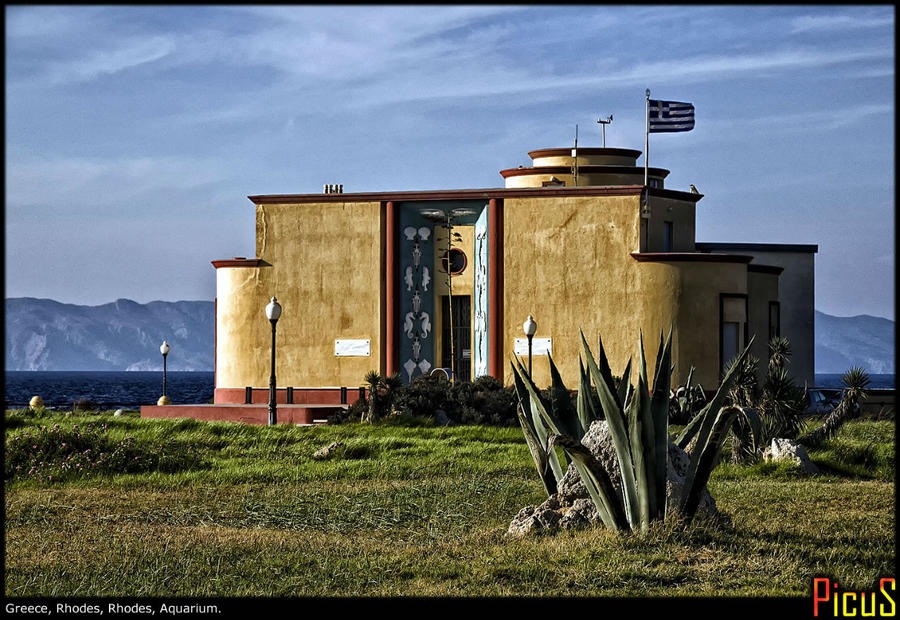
{"points": [[235, 510]]}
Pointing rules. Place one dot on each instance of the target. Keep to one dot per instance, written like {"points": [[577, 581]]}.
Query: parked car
{"points": [[820, 403]]}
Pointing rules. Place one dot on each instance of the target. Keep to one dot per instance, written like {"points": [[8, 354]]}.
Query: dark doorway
{"points": [[462, 335]]}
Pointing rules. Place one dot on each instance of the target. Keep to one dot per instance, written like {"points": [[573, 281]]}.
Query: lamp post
{"points": [[273, 311], [164, 349], [529, 327]]}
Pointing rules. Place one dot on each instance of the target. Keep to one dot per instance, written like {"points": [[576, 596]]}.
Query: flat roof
{"points": [[755, 247], [475, 194]]}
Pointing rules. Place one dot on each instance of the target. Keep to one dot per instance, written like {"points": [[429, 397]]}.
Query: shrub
{"points": [[424, 396], [485, 401], [56, 453]]}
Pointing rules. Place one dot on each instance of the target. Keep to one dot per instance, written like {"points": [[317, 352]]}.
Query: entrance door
{"points": [[462, 336]]}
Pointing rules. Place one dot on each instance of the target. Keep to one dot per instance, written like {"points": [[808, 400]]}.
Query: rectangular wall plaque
{"points": [[539, 346], [349, 348]]}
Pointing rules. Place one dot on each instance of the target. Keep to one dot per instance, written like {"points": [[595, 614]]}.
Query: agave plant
{"points": [[638, 424]]}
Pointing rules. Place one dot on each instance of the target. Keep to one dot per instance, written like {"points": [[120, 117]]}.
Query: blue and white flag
{"points": [[668, 116]]}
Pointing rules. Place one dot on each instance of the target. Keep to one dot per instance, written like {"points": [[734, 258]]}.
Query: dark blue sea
{"points": [[109, 390], [131, 389], [876, 382]]}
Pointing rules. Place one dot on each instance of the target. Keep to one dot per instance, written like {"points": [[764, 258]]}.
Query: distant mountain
{"points": [[42, 334], [843, 342]]}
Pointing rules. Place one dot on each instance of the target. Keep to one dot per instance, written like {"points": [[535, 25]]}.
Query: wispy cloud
{"points": [[827, 23], [106, 62], [80, 182], [456, 81]]}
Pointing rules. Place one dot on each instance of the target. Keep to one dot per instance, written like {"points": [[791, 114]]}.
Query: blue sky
{"points": [[135, 134]]}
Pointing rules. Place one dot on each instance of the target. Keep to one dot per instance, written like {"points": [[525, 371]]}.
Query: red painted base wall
{"points": [[302, 396]]}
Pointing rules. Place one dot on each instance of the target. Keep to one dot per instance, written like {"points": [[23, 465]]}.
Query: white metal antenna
{"points": [[603, 124]]}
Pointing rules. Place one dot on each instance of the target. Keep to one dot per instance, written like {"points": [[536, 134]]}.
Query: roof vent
{"points": [[332, 189]]}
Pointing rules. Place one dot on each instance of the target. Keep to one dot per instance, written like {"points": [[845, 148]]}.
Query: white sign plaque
{"points": [[539, 346], [348, 348]]}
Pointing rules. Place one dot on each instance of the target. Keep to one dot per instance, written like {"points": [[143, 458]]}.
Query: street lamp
{"points": [[273, 311], [164, 349], [529, 326]]}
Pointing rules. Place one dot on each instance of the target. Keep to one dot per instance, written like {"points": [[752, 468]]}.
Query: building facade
{"points": [[409, 282]]}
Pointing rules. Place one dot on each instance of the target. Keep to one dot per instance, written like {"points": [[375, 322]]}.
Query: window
{"points": [[457, 261], [668, 236], [733, 327], [730, 343], [644, 247], [774, 319]]}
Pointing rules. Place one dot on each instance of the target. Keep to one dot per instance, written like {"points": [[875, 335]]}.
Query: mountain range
{"points": [[43, 334], [863, 340]]}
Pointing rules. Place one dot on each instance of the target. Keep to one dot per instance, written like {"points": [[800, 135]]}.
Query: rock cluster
{"points": [[571, 507]]}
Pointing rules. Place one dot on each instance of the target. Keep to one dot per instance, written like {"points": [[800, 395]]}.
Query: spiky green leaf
{"points": [[561, 404], [659, 411], [615, 417], [597, 482], [543, 422], [708, 417], [539, 453], [707, 461]]}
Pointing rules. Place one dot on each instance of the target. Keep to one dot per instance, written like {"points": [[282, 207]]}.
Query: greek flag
{"points": [[667, 116]]}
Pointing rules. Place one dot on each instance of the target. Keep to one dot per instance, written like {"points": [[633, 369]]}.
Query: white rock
{"points": [[787, 450]]}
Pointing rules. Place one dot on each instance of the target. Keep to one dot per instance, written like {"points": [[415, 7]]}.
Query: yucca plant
{"points": [[857, 380], [638, 426], [381, 389], [686, 401], [779, 402], [779, 352]]}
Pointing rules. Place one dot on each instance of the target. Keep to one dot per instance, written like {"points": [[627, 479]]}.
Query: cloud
{"points": [[824, 120], [827, 23], [58, 184], [447, 79], [106, 62]]}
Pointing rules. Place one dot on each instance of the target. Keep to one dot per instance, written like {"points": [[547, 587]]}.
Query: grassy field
{"points": [[234, 510]]}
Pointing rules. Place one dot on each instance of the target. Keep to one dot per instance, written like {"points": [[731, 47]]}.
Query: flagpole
{"points": [[647, 136]]}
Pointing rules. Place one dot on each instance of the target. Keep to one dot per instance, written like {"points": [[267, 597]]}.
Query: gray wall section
{"points": [[797, 292]]}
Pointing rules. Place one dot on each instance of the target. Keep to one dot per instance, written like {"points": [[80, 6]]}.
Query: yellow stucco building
{"points": [[578, 242]]}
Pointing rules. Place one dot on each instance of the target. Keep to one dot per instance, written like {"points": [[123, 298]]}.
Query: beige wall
{"points": [[585, 160], [691, 290], [567, 262], [683, 217], [797, 292], [763, 288], [326, 271], [635, 177]]}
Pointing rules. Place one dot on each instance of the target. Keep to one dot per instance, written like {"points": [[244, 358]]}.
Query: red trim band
{"points": [[237, 262]]}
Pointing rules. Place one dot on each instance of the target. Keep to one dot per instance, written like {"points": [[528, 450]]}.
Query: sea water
{"points": [[131, 389], [107, 389]]}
